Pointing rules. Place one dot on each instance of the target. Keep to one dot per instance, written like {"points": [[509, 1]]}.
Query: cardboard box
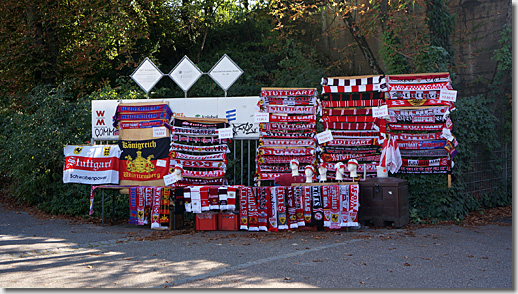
{"points": [[206, 221], [228, 222]]}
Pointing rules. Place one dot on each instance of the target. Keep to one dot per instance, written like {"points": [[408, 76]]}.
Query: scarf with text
{"points": [[276, 168], [413, 95], [284, 159], [350, 150], [287, 151], [177, 122], [440, 110], [206, 174], [281, 208], [299, 208], [121, 108], [277, 118], [428, 119], [133, 206], [269, 176], [286, 127], [289, 101], [216, 156], [288, 92], [202, 182], [334, 211], [231, 197], [435, 144], [143, 124], [196, 164], [355, 134], [318, 209], [425, 170], [417, 87], [290, 205], [354, 103], [243, 207], [353, 96], [419, 102], [194, 131], [262, 195], [371, 167], [424, 153], [290, 109], [416, 79], [444, 161], [205, 140], [352, 142], [155, 210], [417, 136], [416, 127], [286, 135], [326, 205], [253, 212], [191, 148], [272, 210], [287, 142], [306, 203], [344, 157]]}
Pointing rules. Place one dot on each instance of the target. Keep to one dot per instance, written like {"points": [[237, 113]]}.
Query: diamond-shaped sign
{"points": [[147, 75], [225, 72], [185, 74]]}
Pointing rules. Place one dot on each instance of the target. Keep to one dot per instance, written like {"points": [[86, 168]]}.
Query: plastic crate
{"points": [[228, 222], [206, 221]]}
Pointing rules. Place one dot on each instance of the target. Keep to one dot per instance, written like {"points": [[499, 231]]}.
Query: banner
{"points": [[144, 160], [91, 165]]}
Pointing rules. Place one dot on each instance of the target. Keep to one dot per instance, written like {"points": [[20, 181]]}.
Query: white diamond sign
{"points": [[225, 72], [147, 75], [185, 74]]}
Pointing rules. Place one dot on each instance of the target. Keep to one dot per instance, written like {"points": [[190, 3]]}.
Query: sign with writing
{"points": [[147, 75], [262, 117], [448, 95], [185, 73], [325, 136], [159, 132], [225, 133], [169, 179], [225, 72], [381, 111]]}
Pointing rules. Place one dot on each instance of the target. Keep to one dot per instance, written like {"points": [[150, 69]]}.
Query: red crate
{"points": [[228, 222], [206, 221]]}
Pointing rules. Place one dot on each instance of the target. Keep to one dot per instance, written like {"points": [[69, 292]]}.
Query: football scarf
{"points": [[206, 174], [428, 119], [437, 144], [289, 101], [348, 119], [272, 210], [204, 140], [344, 157], [352, 142], [144, 160], [417, 137], [275, 118], [196, 164], [206, 149], [348, 126], [253, 212], [222, 198], [306, 203], [416, 127], [262, 194], [290, 205], [299, 210], [164, 205], [413, 95], [351, 82], [291, 151], [141, 116], [198, 125], [286, 135], [326, 204], [371, 167], [91, 165], [350, 150], [196, 199], [133, 220], [155, 210], [197, 182], [355, 134], [419, 102], [444, 161], [334, 211], [288, 92], [148, 203], [243, 207], [355, 103], [344, 205], [231, 197], [424, 153], [214, 198], [281, 208], [353, 96], [417, 87], [417, 79], [342, 112], [350, 89], [354, 204], [121, 108], [143, 124], [277, 168], [194, 131], [179, 155], [287, 142], [284, 159], [425, 170], [269, 176], [287, 127], [290, 109], [141, 205], [318, 210]]}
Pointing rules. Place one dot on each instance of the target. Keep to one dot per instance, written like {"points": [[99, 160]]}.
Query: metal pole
{"points": [[249, 163], [241, 182]]}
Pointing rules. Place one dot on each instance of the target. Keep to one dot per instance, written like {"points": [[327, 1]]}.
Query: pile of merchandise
{"points": [[283, 208], [198, 152], [347, 112], [419, 121], [288, 133]]}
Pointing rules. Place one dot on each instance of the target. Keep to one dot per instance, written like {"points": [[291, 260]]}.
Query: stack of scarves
{"points": [[289, 133], [346, 111]]}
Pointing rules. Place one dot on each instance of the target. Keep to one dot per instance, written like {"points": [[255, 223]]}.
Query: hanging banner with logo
{"points": [[144, 160], [91, 165]]}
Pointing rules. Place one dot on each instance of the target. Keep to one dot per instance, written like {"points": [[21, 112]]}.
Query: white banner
{"points": [[92, 165], [239, 111]]}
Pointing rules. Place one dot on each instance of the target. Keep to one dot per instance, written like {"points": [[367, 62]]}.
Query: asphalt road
{"points": [[54, 253]]}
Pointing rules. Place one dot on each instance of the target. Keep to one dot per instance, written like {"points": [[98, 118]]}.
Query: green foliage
{"points": [[390, 52], [432, 59], [441, 24]]}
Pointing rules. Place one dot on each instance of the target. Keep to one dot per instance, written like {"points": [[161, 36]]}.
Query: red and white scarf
{"points": [[243, 207], [299, 209], [281, 208], [206, 174], [306, 203], [417, 136], [429, 119], [354, 103], [413, 94], [425, 170], [155, 210], [179, 155], [289, 101], [206, 149], [262, 195], [287, 142], [416, 127], [286, 135], [418, 87], [289, 92], [436, 144], [290, 205], [426, 162], [424, 153], [269, 176], [348, 119], [277, 118], [419, 102], [441, 110], [287, 127], [326, 205], [253, 212], [341, 112], [350, 81], [348, 126], [352, 142], [231, 197], [353, 204], [344, 157], [202, 182], [290, 151], [371, 167], [355, 134], [417, 78], [276, 168], [284, 159], [272, 210], [290, 109], [334, 211], [205, 140], [196, 164], [194, 132], [350, 89]]}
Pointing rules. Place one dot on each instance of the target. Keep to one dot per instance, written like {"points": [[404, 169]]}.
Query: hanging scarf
{"points": [[355, 134], [348, 126], [262, 207], [288, 92], [164, 205], [349, 119], [354, 204], [195, 132], [196, 164], [187, 198], [290, 151], [326, 204], [424, 153], [281, 208], [345, 157], [351, 81], [253, 213], [290, 109], [352, 142], [418, 137], [334, 211], [287, 135], [284, 159], [269, 176], [198, 182], [354, 103], [318, 211], [191, 148], [155, 214], [243, 207], [444, 161], [437, 144], [344, 205], [206, 174], [196, 199], [272, 210], [299, 208], [276, 168], [148, 203], [133, 220], [286, 127], [350, 150], [214, 198], [289, 101], [231, 197], [419, 102], [292, 210], [141, 205], [222, 198], [287, 142], [179, 155], [425, 170], [416, 127], [204, 140], [177, 122], [142, 116], [413, 95], [350, 89], [417, 78], [274, 118]]}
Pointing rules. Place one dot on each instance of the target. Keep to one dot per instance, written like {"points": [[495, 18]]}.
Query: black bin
{"points": [[383, 202]]}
